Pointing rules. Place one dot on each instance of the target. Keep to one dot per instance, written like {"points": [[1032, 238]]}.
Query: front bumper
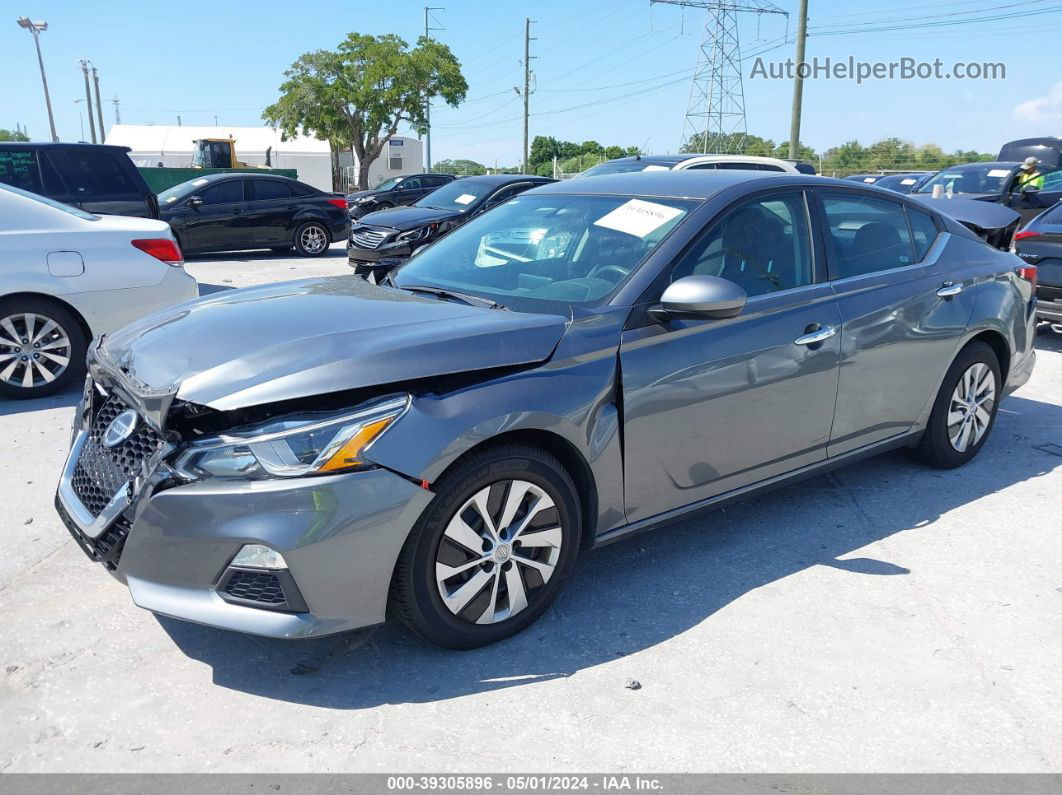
{"points": [[374, 264], [340, 536]]}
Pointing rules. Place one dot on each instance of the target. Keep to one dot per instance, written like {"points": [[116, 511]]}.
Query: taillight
{"points": [[340, 203], [161, 248], [1023, 234], [1027, 272]]}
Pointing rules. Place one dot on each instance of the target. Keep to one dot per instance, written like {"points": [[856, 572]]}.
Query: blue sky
{"points": [[616, 71]]}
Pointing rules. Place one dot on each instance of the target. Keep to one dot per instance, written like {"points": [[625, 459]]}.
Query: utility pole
{"points": [[99, 105], [36, 28], [427, 98], [527, 83], [117, 113], [798, 82], [88, 99]]}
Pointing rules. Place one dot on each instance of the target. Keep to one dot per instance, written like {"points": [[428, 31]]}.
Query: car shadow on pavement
{"points": [[635, 594], [67, 398]]}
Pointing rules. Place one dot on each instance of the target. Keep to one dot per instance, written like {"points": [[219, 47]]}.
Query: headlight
{"points": [[415, 234], [292, 446], [365, 199]]}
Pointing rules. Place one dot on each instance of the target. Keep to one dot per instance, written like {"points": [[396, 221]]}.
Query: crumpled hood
{"points": [[404, 218], [315, 336]]}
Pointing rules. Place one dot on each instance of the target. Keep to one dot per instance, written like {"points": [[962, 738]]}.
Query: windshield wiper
{"points": [[465, 298]]}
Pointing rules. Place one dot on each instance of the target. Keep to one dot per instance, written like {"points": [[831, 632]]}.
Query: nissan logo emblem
{"points": [[120, 429]]}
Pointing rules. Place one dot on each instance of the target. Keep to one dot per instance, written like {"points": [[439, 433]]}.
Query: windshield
{"points": [[970, 179], [387, 184], [177, 192], [545, 253], [66, 208], [460, 195], [624, 167]]}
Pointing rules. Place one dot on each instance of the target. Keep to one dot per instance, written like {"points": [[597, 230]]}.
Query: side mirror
{"points": [[700, 297], [195, 202]]}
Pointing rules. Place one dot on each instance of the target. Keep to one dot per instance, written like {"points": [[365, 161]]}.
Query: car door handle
{"points": [[948, 289], [820, 334]]}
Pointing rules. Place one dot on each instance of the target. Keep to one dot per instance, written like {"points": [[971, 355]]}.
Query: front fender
{"points": [[574, 400]]}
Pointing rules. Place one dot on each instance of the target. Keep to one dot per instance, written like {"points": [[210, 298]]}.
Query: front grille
{"points": [[102, 471], [107, 549], [256, 586], [368, 238]]}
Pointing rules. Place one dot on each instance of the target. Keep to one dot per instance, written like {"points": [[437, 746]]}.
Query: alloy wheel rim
{"points": [[498, 551], [313, 239], [970, 410], [34, 350]]}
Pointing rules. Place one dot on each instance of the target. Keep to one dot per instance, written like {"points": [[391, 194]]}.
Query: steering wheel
{"points": [[620, 271]]}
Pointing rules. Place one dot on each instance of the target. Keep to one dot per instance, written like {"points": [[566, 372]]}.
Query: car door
{"points": [[712, 405], [902, 313], [218, 223], [270, 208], [1030, 203]]}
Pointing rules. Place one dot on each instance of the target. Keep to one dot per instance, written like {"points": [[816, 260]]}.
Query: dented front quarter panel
{"points": [[573, 396]]}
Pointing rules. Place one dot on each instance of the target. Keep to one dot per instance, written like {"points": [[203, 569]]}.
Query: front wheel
{"points": [[965, 409], [492, 550], [312, 239], [42, 348]]}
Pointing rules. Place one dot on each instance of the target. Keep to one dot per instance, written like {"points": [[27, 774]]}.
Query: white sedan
{"points": [[67, 276]]}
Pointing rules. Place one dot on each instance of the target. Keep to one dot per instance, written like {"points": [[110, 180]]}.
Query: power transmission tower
{"points": [[427, 99], [715, 115]]}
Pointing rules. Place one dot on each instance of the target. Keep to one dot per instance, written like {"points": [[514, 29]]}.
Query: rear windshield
{"points": [[90, 173], [66, 208], [1054, 215]]}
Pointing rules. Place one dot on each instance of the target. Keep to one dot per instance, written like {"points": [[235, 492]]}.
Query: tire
{"points": [[944, 445], [53, 354], [488, 478], [312, 239]]}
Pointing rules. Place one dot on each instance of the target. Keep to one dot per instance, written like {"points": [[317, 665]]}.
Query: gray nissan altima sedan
{"points": [[588, 360]]}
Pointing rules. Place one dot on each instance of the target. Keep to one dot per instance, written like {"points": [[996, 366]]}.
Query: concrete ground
{"points": [[887, 617]]}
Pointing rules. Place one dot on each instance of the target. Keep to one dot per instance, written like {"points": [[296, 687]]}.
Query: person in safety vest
{"points": [[1029, 177]]}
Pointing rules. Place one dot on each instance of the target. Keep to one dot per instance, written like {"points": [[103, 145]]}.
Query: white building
{"points": [[171, 145]]}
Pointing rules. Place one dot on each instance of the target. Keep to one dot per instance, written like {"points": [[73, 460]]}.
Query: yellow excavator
{"points": [[221, 153]]}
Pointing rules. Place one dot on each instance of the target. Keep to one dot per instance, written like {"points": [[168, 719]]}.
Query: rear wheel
{"points": [[42, 348], [312, 239], [491, 551], [965, 409]]}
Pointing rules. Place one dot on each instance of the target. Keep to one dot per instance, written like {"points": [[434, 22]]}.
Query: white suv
{"points": [[66, 276], [690, 161]]}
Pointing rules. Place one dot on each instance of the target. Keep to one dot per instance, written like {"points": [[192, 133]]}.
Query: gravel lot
{"points": [[887, 617]]}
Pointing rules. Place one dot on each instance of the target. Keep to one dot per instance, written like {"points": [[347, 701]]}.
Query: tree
{"points": [[358, 95], [462, 167], [8, 135]]}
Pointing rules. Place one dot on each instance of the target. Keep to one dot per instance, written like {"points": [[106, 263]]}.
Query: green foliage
{"points": [[12, 135], [571, 156], [463, 167], [358, 95]]}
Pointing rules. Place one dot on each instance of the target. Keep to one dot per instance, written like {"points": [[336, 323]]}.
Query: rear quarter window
{"points": [[923, 232], [19, 167]]}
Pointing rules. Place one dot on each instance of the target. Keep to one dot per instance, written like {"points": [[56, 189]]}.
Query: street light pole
{"points": [[36, 28]]}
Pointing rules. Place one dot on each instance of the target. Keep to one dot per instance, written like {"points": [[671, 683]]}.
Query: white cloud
{"points": [[1042, 109]]}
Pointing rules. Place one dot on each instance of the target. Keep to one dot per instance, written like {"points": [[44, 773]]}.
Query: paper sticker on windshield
{"points": [[999, 172], [638, 217], [870, 179], [200, 182], [656, 168], [465, 198], [908, 181]]}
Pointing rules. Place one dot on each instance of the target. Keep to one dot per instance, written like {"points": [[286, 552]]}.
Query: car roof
{"points": [[505, 179], [674, 184], [243, 175], [987, 164], [59, 145]]}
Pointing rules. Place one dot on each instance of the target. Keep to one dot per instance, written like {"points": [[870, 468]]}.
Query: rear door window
{"points": [[264, 189], [90, 173], [866, 235]]}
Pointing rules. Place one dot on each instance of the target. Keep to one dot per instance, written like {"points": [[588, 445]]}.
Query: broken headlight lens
{"points": [[292, 446]]}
